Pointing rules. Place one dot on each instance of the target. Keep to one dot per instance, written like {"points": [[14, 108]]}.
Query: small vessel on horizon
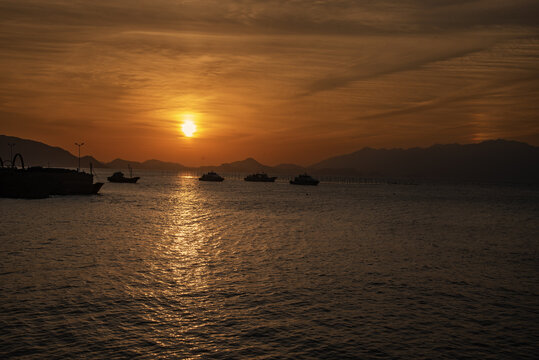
{"points": [[118, 177], [260, 177], [211, 176], [304, 179]]}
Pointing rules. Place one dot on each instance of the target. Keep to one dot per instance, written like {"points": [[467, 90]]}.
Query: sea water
{"points": [[173, 267]]}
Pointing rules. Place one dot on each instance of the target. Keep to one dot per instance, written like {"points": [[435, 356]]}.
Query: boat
{"points": [[37, 182], [304, 179], [211, 176], [118, 177], [260, 177]]}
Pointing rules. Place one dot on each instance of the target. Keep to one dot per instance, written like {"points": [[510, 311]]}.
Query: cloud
{"points": [[361, 67], [362, 71], [278, 16]]}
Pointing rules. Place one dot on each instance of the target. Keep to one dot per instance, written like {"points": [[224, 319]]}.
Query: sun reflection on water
{"points": [[184, 259], [185, 236]]}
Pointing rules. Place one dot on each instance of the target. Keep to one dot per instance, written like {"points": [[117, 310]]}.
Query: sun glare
{"points": [[189, 128]]}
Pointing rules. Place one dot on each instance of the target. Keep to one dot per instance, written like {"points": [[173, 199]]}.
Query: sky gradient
{"points": [[282, 81]]}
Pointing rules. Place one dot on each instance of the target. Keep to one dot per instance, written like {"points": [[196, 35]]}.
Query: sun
{"points": [[189, 128]]}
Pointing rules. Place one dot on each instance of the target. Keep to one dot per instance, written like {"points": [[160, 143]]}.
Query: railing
{"points": [[15, 159]]}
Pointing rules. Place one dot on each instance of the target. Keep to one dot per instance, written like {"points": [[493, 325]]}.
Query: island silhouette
{"points": [[491, 160]]}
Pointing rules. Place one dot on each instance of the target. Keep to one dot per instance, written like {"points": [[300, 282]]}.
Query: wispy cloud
{"points": [[367, 73], [396, 64]]}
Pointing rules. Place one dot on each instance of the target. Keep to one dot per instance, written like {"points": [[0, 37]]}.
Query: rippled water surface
{"points": [[176, 268]]}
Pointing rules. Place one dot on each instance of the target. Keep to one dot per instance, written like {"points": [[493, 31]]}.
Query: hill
{"points": [[36, 153], [248, 165], [496, 160], [492, 160], [146, 165], [39, 154]]}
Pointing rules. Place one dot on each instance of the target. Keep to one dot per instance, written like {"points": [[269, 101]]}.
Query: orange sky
{"points": [[281, 81]]}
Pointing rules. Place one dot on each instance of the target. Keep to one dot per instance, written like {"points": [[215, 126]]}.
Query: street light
{"points": [[79, 145]]}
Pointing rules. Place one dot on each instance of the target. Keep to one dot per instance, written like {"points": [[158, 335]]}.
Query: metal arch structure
{"points": [[15, 158]]}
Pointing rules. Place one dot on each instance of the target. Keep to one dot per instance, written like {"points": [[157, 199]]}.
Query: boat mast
{"points": [[79, 145]]}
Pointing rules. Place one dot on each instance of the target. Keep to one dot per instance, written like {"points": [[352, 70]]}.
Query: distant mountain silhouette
{"points": [[496, 160], [492, 160], [250, 165], [38, 154], [146, 165], [244, 166]]}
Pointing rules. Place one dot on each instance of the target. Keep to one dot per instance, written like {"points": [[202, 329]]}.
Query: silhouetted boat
{"points": [[304, 179], [211, 176], [37, 182], [261, 177], [118, 177]]}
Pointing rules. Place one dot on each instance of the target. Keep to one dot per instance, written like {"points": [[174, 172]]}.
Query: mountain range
{"points": [[492, 160]]}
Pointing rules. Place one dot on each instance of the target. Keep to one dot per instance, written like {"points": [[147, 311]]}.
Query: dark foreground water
{"points": [[175, 268]]}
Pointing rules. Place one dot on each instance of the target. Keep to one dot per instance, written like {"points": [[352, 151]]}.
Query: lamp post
{"points": [[79, 145], [11, 145]]}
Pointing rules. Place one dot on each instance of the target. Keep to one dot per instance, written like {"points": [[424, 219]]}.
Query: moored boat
{"points": [[211, 176], [260, 177], [118, 177], [304, 179], [37, 182]]}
